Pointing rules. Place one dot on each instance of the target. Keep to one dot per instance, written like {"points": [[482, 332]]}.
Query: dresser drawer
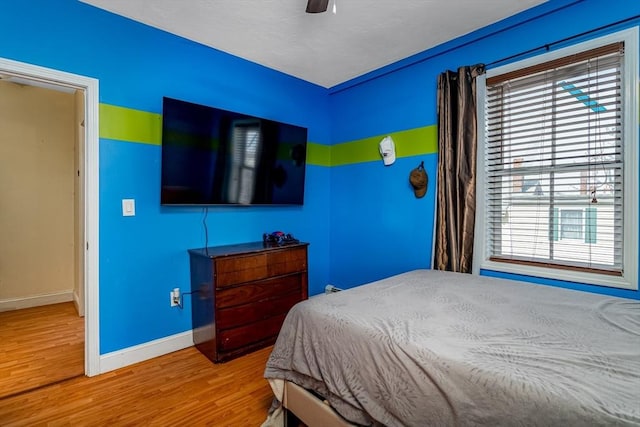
{"points": [[240, 269], [260, 290], [248, 313], [231, 339], [287, 261]]}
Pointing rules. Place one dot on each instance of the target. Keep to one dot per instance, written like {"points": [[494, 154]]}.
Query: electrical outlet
{"points": [[175, 297]]}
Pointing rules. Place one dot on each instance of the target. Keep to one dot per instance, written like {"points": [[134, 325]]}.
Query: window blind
{"points": [[554, 163]]}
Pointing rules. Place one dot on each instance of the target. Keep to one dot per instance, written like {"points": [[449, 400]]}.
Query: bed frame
{"points": [[303, 406]]}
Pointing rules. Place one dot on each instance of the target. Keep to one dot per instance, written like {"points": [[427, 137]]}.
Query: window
{"points": [[571, 224], [557, 165]]}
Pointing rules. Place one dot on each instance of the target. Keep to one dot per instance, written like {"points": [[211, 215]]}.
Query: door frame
{"points": [[90, 222]]}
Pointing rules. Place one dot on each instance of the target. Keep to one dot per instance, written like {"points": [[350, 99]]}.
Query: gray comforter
{"points": [[429, 348]]}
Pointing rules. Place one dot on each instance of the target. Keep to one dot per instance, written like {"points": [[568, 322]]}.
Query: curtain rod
{"points": [[566, 39]]}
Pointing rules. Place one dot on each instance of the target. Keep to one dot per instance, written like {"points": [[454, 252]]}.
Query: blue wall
{"points": [[361, 218], [143, 257], [377, 227]]}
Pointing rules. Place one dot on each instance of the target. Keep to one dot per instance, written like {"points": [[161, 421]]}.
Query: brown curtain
{"points": [[457, 141]]}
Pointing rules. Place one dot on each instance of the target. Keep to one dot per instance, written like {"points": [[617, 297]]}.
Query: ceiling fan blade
{"points": [[317, 6]]}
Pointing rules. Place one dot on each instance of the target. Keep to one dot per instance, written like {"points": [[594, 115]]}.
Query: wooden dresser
{"points": [[242, 293]]}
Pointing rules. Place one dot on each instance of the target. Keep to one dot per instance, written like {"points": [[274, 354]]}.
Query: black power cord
{"points": [[182, 294], [205, 212]]}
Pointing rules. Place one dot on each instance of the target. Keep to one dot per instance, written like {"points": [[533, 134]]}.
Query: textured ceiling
{"points": [[326, 48]]}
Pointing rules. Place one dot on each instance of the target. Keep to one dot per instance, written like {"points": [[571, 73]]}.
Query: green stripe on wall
{"points": [[126, 124], [318, 154], [408, 143]]}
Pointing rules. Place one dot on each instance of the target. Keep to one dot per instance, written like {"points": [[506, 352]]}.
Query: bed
{"points": [[437, 348]]}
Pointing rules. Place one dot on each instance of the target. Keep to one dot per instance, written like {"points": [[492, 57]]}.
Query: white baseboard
{"points": [[35, 301], [149, 350], [78, 304]]}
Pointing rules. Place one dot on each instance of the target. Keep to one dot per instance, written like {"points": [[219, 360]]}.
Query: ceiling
{"points": [[325, 48]]}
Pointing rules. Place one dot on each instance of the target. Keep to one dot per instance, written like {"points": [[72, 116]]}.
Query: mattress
{"points": [[437, 348]]}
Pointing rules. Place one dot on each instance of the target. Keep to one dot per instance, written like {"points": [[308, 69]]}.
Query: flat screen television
{"points": [[217, 157]]}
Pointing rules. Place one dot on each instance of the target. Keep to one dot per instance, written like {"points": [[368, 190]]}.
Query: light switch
{"points": [[128, 207]]}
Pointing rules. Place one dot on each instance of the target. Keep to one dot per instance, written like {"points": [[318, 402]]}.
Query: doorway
{"points": [[85, 167], [40, 208]]}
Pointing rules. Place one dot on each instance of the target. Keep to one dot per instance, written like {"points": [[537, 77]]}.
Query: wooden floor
{"points": [[179, 389], [39, 346]]}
